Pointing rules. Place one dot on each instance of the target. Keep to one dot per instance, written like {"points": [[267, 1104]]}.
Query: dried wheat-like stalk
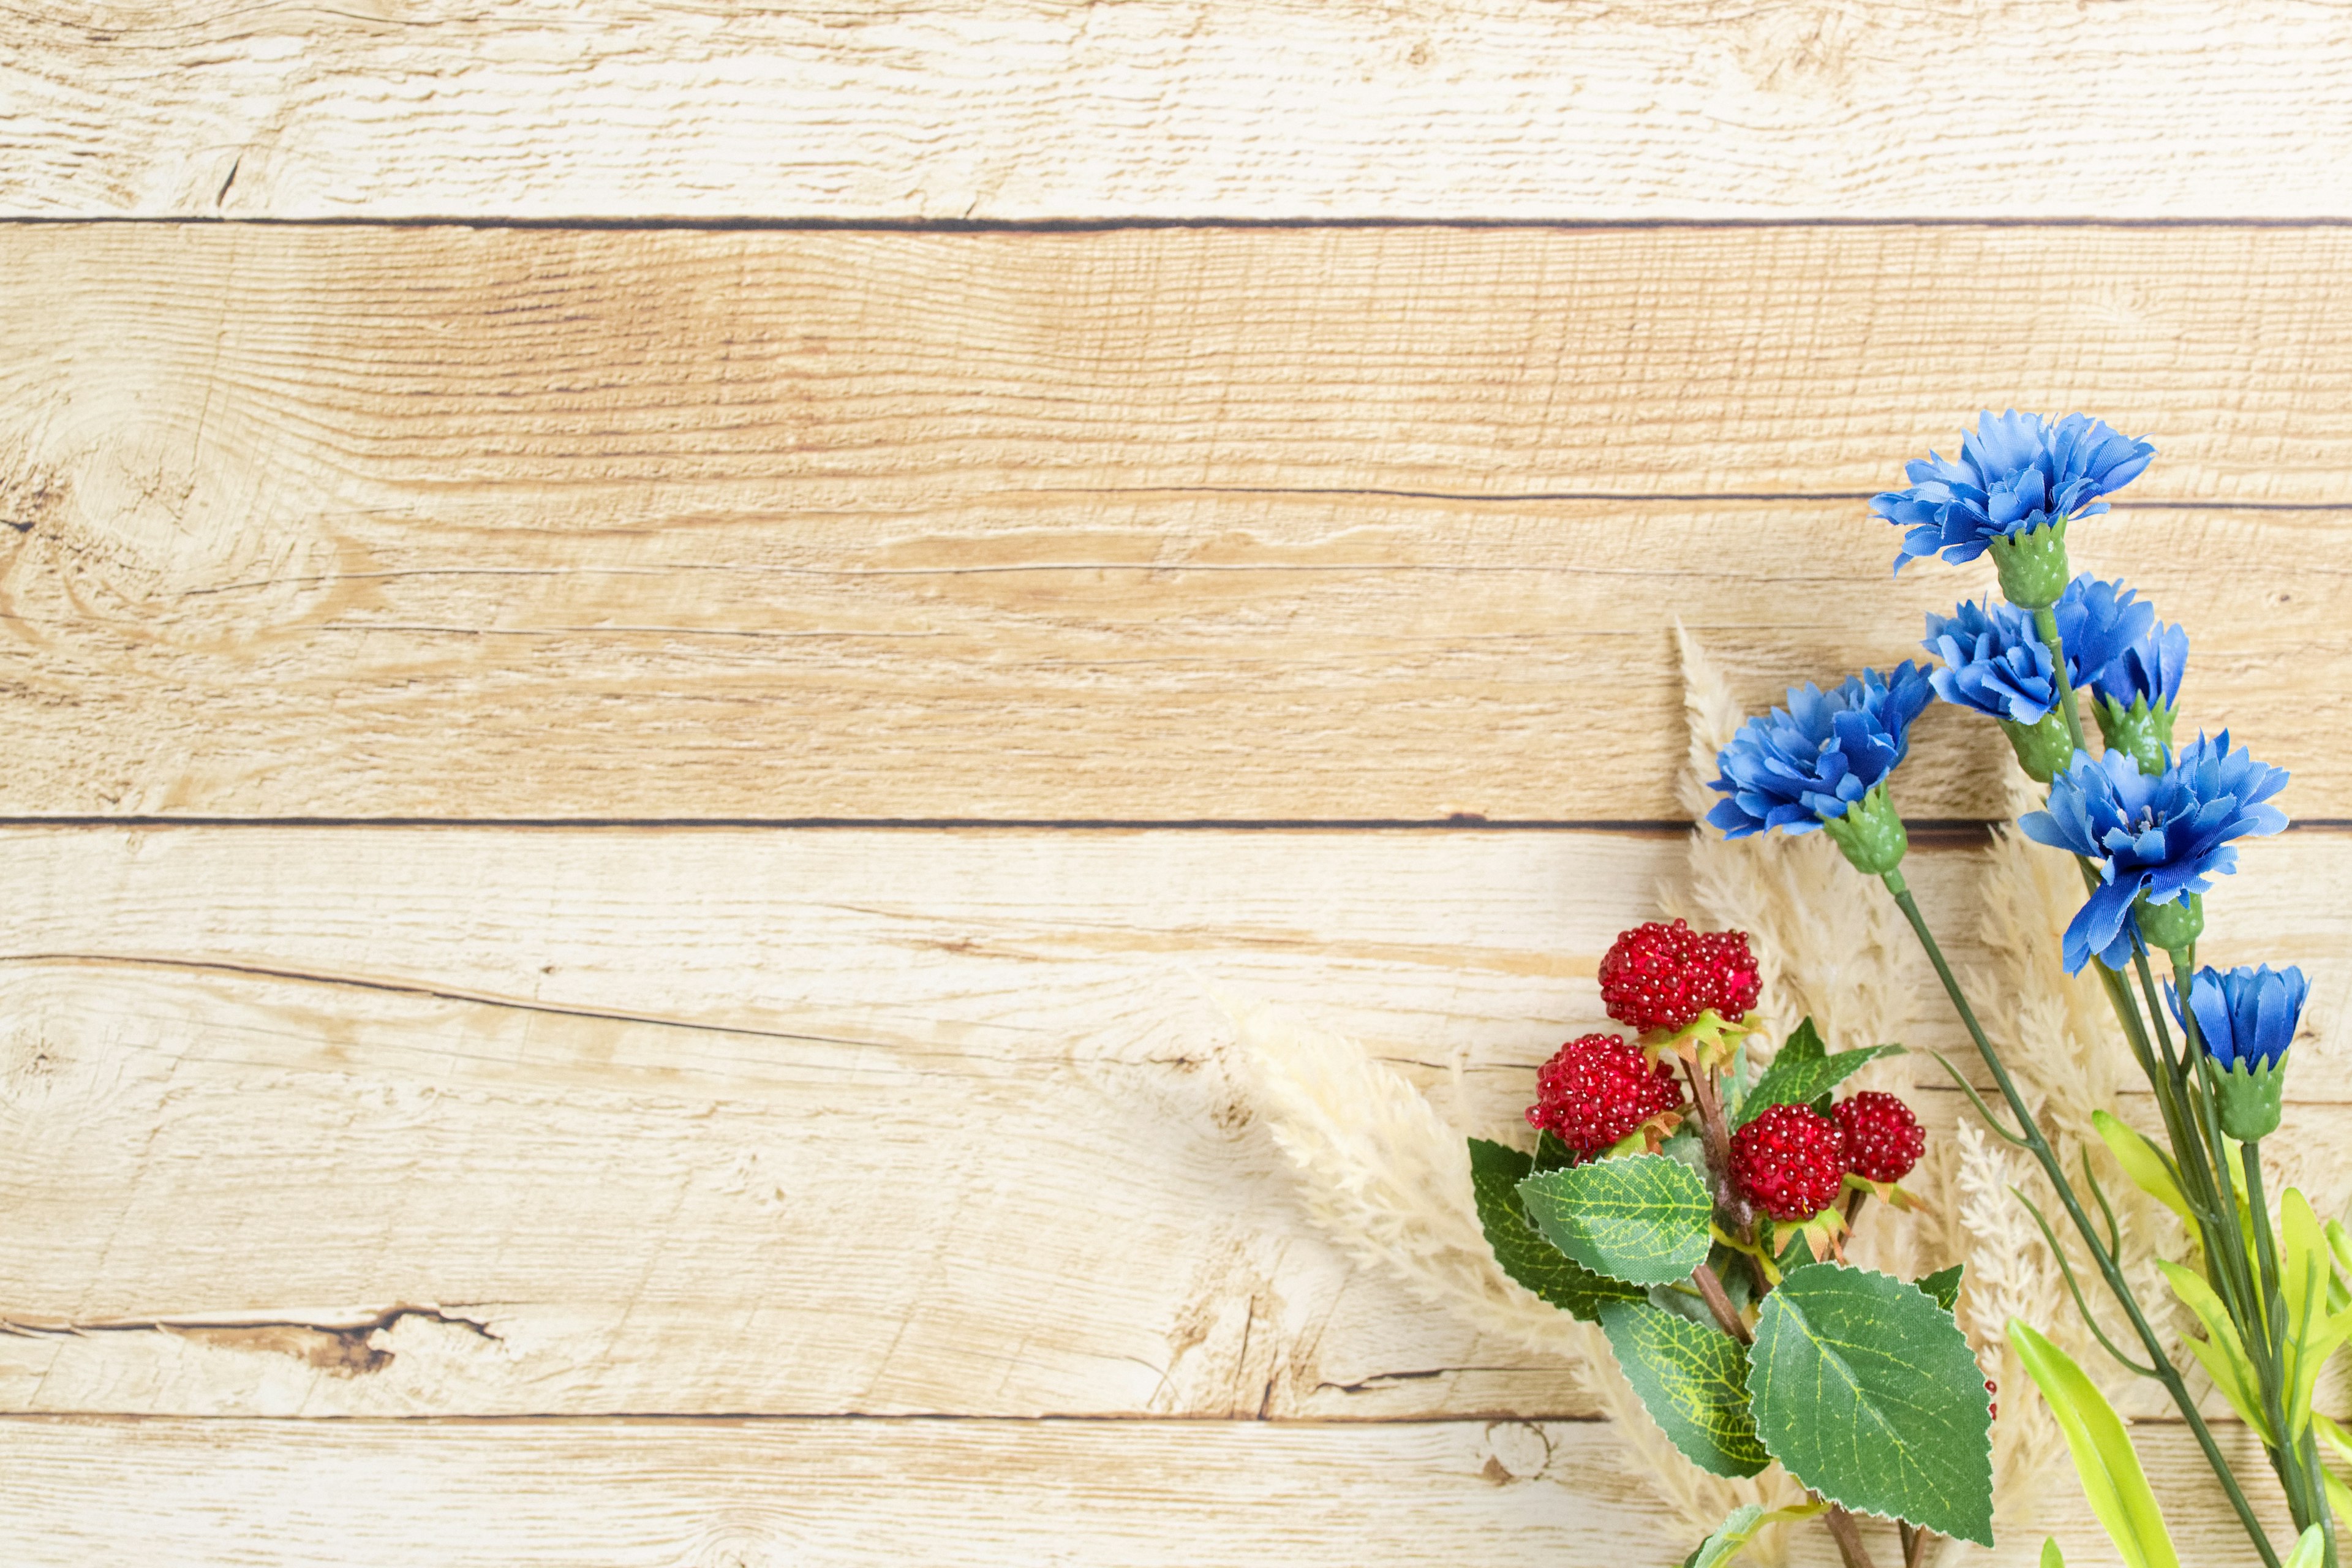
{"points": [[1385, 1176]]}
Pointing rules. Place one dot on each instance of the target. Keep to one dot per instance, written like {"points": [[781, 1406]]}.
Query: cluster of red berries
{"points": [[1659, 976], [1598, 1089], [1791, 1160]]}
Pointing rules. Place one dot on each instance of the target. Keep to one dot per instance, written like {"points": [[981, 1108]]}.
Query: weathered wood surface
{"points": [[1236, 109], [1136, 526], [443, 1122], [762, 1494]]}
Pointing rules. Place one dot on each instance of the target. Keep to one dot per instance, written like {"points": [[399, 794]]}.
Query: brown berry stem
{"points": [[1848, 1536], [1715, 1136], [1719, 1301]]}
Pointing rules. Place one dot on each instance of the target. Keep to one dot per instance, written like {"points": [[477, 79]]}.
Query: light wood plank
{"points": [[622, 1494], [1119, 526], [407, 1121], [1240, 108]]}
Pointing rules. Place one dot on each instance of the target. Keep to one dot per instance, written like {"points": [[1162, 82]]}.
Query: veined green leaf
{"points": [[1942, 1287], [2309, 1550], [1866, 1390], [1693, 1382], [1644, 1218], [2306, 1269], [2223, 1353], [2111, 1480], [1803, 1044], [1738, 1528], [1496, 1172], [2142, 1162], [1805, 1080]]}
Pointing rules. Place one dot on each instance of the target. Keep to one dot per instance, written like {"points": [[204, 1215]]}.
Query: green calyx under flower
{"points": [[1870, 833], [2043, 750], [2143, 731], [2032, 566], [1706, 1041], [2249, 1095], [2173, 927]]}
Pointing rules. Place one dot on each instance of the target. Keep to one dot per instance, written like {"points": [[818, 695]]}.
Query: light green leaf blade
{"points": [[1693, 1382], [1496, 1172], [2309, 1550], [2223, 1353], [2305, 1268], [1866, 1390], [2051, 1556], [1644, 1218], [1738, 1528], [1803, 1044], [1942, 1287], [2109, 1470], [1806, 1079], [2142, 1163]]}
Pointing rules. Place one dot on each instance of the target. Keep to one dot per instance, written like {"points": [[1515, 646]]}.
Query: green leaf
{"points": [[1693, 1382], [1803, 1044], [1866, 1390], [2309, 1550], [2142, 1162], [1738, 1528], [1942, 1287], [2112, 1480], [1496, 1172], [1644, 1218], [2306, 1269], [2222, 1353], [1806, 1079], [2051, 1556]]}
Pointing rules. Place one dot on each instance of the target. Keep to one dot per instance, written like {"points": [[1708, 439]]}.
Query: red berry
{"points": [[1883, 1139], [1659, 976], [1790, 1161], [1596, 1090]]}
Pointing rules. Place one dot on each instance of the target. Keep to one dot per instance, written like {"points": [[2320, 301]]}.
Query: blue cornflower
{"points": [[2157, 836], [2016, 473], [1995, 662], [2245, 1016], [1799, 766], [2146, 669]]}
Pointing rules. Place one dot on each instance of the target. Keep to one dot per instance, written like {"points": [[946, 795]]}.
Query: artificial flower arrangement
{"points": [[1697, 1208]]}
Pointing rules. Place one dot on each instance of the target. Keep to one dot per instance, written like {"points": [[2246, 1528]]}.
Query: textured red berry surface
{"points": [[1883, 1139], [1659, 976], [1790, 1161], [1596, 1090]]}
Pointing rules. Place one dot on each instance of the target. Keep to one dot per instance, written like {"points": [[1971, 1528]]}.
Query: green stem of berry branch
{"points": [[2108, 1265]]}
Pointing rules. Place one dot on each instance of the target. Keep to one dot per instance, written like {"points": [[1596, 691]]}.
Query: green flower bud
{"points": [[1870, 833], [2144, 732], [2043, 750], [2173, 927], [2032, 566], [2249, 1096]]}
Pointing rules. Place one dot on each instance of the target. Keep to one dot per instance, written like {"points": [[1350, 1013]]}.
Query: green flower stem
{"points": [[2306, 1493], [2045, 622], [2165, 1371]]}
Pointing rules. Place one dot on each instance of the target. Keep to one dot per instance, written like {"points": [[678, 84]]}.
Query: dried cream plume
{"points": [[1386, 1177]]}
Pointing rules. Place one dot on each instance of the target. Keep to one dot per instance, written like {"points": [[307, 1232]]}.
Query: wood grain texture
{"points": [[1232, 109], [764, 1494], [420, 1123], [1138, 526]]}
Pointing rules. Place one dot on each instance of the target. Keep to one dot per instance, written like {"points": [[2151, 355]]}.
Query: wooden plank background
{"points": [[649, 699]]}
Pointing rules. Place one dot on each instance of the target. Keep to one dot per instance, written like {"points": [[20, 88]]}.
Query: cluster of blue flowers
{"points": [[2155, 826]]}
